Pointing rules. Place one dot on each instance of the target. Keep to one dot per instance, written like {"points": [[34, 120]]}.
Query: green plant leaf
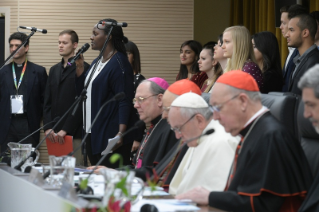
{"points": [[84, 184], [115, 157]]}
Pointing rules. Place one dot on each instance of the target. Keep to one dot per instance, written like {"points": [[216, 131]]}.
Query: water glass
{"points": [[62, 170]]}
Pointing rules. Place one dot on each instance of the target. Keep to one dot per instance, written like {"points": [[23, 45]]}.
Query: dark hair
{"points": [[197, 48], [210, 43], [72, 33], [284, 9], [220, 38], [132, 48], [297, 9], [118, 39], [266, 42], [307, 22], [218, 68], [19, 36], [315, 15]]}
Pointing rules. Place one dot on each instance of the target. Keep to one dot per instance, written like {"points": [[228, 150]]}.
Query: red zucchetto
{"points": [[239, 79], [184, 86]]}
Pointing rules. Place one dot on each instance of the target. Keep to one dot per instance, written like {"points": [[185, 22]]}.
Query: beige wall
{"points": [[157, 27], [211, 17]]}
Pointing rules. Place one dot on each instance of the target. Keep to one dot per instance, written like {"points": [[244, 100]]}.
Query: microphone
{"points": [[117, 97], [83, 49], [107, 23], [44, 31], [159, 169]]}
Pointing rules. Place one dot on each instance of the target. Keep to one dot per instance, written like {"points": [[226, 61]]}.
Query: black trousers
{"points": [[19, 129], [124, 151]]}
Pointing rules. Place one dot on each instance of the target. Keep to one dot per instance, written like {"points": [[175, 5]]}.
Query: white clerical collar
{"points": [[259, 112], [291, 49]]}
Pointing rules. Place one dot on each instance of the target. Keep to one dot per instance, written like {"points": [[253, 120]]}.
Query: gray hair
{"points": [[311, 80], [189, 112], [155, 88], [255, 96]]}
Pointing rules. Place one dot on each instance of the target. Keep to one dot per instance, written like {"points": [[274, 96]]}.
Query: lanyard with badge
{"points": [[17, 100]]}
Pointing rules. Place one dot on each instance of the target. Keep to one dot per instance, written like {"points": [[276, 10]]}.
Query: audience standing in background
{"points": [[60, 94], [315, 15], [210, 66], [22, 85], [189, 55], [267, 54], [113, 75], [133, 55], [301, 35], [219, 53], [289, 65], [288, 12], [238, 48]]}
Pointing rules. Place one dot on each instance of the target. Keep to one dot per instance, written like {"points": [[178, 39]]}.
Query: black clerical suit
{"points": [[60, 94], [272, 172], [159, 143], [32, 87]]}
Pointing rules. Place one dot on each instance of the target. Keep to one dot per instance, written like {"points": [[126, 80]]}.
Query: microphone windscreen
{"points": [[44, 31], [85, 47], [119, 96], [210, 131], [124, 24], [27, 169]]}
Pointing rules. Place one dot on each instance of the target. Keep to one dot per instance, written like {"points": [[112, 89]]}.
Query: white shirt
{"points": [[99, 68], [291, 50]]}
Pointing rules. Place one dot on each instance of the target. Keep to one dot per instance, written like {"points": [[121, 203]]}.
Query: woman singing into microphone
{"points": [[113, 75]]}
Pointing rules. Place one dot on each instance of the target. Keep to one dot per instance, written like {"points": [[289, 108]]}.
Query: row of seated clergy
{"points": [[288, 109]]}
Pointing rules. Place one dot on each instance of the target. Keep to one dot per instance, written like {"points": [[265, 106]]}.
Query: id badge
{"points": [[16, 104]]}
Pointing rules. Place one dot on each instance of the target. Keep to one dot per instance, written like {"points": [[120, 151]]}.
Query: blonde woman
{"points": [[238, 48], [210, 66]]}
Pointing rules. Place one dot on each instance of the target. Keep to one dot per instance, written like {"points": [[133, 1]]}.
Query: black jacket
{"points": [[60, 94], [36, 78], [308, 62]]}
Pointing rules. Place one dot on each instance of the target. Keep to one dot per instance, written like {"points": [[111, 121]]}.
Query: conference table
{"points": [[19, 194]]}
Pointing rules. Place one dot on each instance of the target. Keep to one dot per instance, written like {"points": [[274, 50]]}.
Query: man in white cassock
{"points": [[208, 159]]}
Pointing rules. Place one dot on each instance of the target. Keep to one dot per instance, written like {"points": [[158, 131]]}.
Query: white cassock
{"points": [[208, 164]]}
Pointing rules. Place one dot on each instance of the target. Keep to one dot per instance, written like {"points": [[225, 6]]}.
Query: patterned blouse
{"points": [[252, 68]]}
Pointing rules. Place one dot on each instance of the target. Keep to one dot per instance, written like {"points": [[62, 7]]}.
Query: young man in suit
{"points": [[301, 35], [22, 85], [60, 94]]}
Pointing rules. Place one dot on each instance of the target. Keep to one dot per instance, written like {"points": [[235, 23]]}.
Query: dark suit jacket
{"points": [[309, 61], [60, 94], [287, 70], [33, 100]]}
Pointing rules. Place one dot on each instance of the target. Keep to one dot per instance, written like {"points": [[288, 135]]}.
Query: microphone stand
{"points": [[115, 98], [83, 95], [32, 154], [15, 51]]}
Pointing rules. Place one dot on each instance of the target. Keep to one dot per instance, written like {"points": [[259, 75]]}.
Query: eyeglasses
{"points": [[166, 109], [217, 108], [140, 99], [178, 129]]}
